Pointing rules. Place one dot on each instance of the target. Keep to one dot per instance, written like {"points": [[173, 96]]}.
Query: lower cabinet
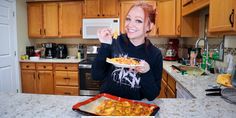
{"points": [[168, 86], [49, 78], [37, 78], [66, 79]]}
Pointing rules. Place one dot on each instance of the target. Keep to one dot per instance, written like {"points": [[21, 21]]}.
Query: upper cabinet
{"points": [[191, 6], [172, 24], [101, 8], [54, 19], [124, 8], [70, 19], [222, 16]]}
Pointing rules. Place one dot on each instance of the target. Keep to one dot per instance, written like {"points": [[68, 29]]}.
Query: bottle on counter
{"points": [[203, 65], [199, 56]]}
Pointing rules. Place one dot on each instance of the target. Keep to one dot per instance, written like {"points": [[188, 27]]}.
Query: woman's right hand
{"points": [[105, 35]]}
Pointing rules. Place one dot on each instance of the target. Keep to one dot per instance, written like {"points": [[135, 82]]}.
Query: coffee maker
{"points": [[30, 51], [61, 51], [50, 50], [172, 50]]}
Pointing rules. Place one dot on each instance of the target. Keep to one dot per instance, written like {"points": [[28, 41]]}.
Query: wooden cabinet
{"points": [[172, 24], [49, 78], [35, 79], [54, 19], [168, 86], [125, 6], [222, 16], [101, 8], [45, 82], [42, 20], [192, 6], [70, 19], [66, 79]]}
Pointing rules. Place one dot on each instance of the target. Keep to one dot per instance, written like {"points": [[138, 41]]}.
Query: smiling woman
{"points": [[130, 82]]}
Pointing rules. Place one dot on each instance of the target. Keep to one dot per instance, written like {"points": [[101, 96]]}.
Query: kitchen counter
{"points": [[196, 85], [54, 60], [35, 105]]}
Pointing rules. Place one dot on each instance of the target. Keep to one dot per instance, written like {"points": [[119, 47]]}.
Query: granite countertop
{"points": [[54, 60], [196, 85], [32, 106], [35, 105]]}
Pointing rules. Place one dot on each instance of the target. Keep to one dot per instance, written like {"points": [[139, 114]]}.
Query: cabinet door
{"points": [[51, 20], [170, 93], [70, 19], [163, 90], [109, 8], [222, 15], [167, 17], [45, 82], [28, 81], [35, 20], [92, 8]]}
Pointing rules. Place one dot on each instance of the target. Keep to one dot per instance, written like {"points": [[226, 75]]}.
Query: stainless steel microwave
{"points": [[91, 25]]}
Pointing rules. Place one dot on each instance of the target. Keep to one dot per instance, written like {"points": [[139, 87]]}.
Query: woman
{"points": [[143, 81]]}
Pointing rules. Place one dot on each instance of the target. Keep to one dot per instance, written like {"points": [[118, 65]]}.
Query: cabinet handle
{"points": [[27, 66], [158, 30], [178, 29], [38, 76], [44, 66], [67, 93], [98, 15], [66, 78], [65, 67], [231, 18], [40, 31], [103, 15], [44, 31], [81, 31], [34, 75]]}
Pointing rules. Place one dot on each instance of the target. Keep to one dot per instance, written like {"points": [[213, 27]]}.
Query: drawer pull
{"points": [[65, 67], [44, 66], [67, 93], [27, 66], [66, 78]]}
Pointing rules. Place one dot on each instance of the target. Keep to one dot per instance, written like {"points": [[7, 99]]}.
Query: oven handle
{"points": [[85, 66]]}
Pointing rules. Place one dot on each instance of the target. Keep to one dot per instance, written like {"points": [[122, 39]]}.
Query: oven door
{"points": [[88, 86]]}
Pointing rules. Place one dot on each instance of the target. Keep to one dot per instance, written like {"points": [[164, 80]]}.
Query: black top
{"points": [[127, 83]]}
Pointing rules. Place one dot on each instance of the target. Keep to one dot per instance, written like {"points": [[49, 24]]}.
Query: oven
{"points": [[88, 86]]}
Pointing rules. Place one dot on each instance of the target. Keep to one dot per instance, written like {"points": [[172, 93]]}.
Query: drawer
{"points": [[171, 83], [66, 90], [44, 66], [164, 75], [66, 66], [28, 66], [66, 78]]}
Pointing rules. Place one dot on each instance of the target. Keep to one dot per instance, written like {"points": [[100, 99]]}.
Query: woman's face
{"points": [[135, 25]]}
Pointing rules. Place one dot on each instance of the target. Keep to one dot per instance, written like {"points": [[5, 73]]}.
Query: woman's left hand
{"points": [[143, 68]]}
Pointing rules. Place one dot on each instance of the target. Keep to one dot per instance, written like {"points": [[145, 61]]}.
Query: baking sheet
{"points": [[88, 107]]}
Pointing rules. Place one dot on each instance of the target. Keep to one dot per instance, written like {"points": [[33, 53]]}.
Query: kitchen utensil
{"points": [[213, 92]]}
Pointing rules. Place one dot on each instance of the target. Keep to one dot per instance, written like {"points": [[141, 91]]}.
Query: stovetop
{"points": [[87, 61]]}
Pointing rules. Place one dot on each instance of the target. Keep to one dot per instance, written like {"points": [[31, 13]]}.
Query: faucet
{"points": [[206, 47]]}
